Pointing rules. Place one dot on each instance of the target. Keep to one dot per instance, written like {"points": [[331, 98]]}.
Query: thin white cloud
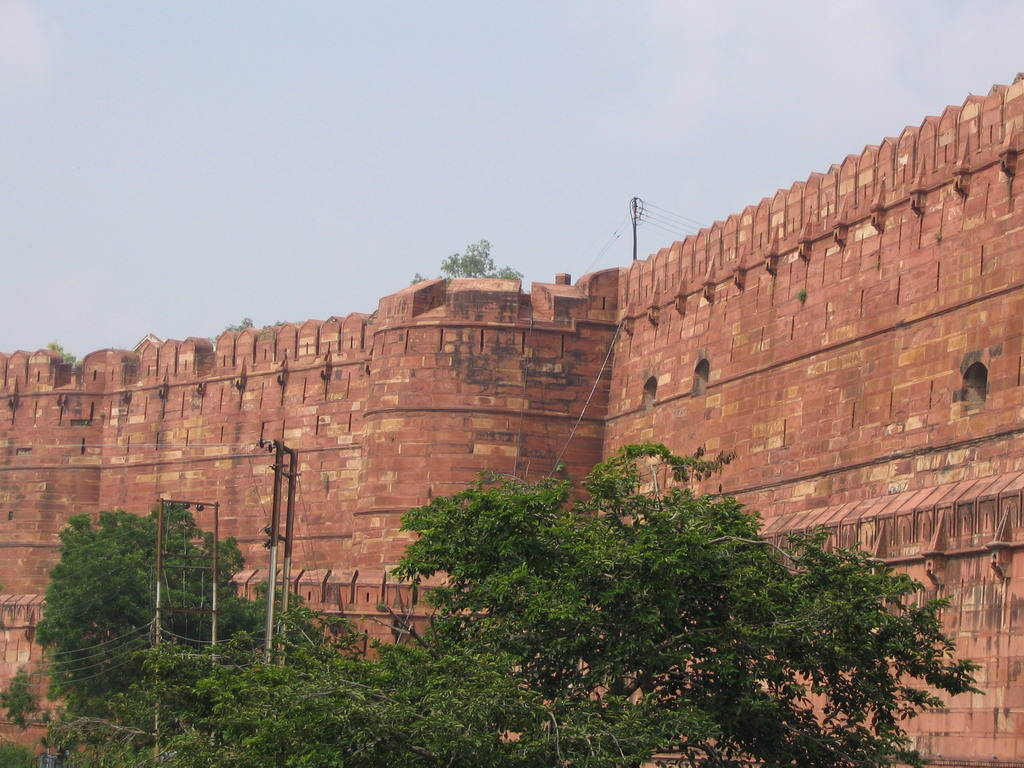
{"points": [[26, 46]]}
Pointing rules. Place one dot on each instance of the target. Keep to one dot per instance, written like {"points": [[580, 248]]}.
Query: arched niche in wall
{"points": [[650, 392], [975, 385], [701, 375]]}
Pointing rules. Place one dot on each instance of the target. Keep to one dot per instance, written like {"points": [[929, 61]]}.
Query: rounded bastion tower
{"points": [[476, 375]]}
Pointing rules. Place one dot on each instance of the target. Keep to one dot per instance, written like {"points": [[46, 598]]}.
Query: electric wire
{"points": [[666, 221], [669, 214], [611, 241], [669, 224], [168, 633], [583, 411], [306, 541], [129, 633], [122, 654], [78, 680], [615, 235], [122, 651], [674, 233], [190, 444]]}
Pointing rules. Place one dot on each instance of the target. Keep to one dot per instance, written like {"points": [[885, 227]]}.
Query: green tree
{"points": [[475, 262], [67, 356], [99, 603], [650, 594], [593, 632], [14, 756], [19, 698], [245, 322], [332, 708], [329, 707]]}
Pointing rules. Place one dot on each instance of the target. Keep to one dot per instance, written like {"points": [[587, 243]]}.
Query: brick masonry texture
{"points": [[856, 339]]}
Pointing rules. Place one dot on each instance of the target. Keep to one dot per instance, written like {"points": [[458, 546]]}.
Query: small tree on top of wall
{"points": [[475, 262]]}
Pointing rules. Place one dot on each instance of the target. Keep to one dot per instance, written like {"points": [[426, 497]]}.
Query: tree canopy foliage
{"points": [[475, 262], [591, 630], [100, 602], [19, 698], [650, 594], [241, 325], [67, 357], [16, 756]]}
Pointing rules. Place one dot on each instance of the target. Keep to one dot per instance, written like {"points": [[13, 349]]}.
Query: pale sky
{"points": [[171, 167]]}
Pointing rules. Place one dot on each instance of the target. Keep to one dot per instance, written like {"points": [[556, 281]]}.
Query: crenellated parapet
{"points": [[870, 308], [941, 162], [503, 302], [41, 371]]}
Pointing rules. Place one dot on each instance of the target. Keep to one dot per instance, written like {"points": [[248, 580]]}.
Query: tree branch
{"points": [[759, 543]]}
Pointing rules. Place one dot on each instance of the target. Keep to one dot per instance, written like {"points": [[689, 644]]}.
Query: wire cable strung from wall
{"points": [[80, 444], [664, 220], [164, 632], [676, 233], [158, 449], [593, 389], [668, 225], [615, 235], [306, 540], [118, 656]]}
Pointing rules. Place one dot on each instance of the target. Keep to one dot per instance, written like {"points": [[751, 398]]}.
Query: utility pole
{"points": [[636, 213], [187, 558], [289, 525], [273, 530], [275, 523], [156, 619]]}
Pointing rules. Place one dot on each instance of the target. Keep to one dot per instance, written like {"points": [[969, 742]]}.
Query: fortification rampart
{"points": [[857, 340], [830, 330], [444, 381]]}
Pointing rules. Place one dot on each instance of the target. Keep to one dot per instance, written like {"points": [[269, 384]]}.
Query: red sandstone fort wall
{"points": [[444, 381], [826, 335], [837, 319]]}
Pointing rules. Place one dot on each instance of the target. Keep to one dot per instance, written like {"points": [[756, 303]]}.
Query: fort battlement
{"points": [[964, 151], [471, 374], [844, 314], [856, 339]]}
